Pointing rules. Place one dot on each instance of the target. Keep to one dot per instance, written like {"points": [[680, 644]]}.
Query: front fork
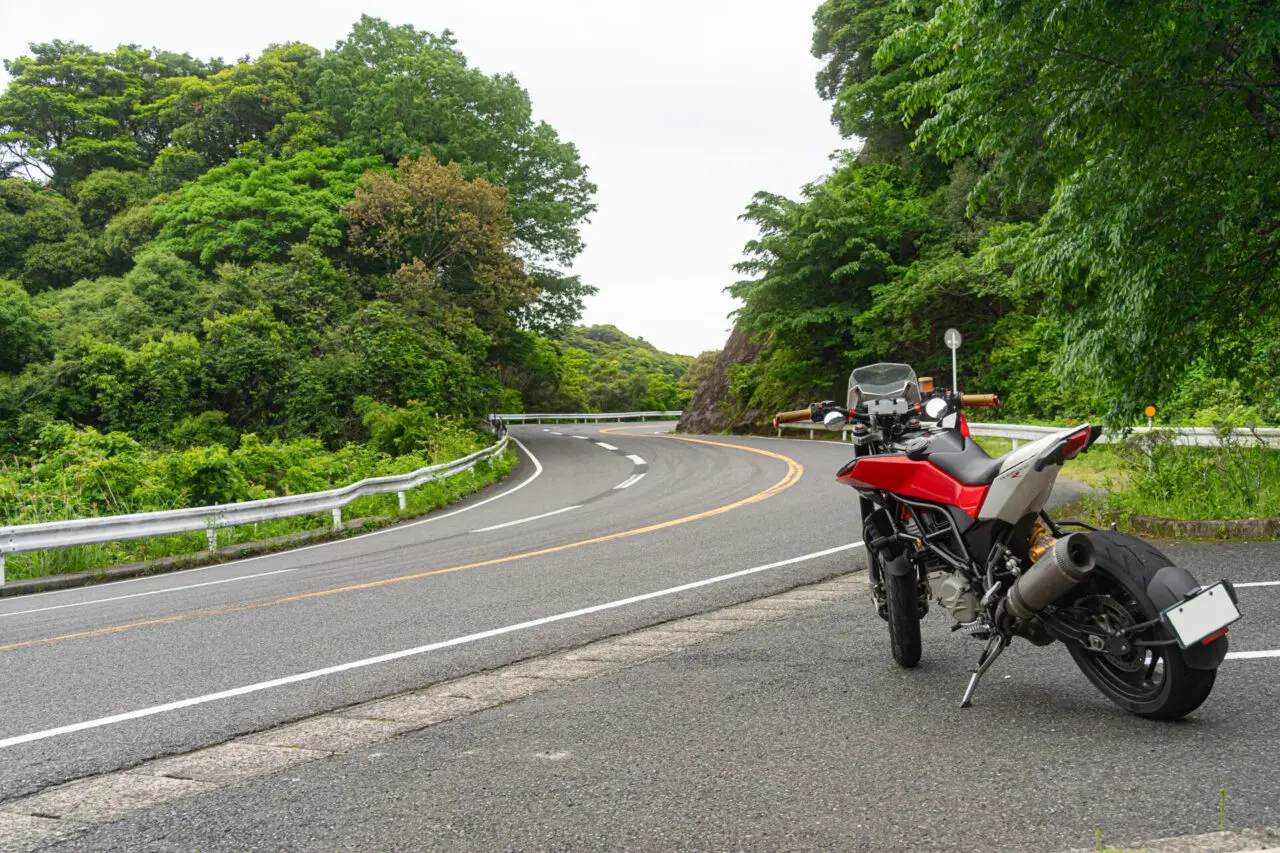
{"points": [[875, 572]]}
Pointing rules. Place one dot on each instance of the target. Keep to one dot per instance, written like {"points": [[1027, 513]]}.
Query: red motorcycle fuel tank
{"points": [[912, 479]]}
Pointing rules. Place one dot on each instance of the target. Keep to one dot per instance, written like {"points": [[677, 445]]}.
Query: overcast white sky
{"points": [[680, 108]]}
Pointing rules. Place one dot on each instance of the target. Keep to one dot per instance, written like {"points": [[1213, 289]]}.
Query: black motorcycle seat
{"points": [[963, 459]]}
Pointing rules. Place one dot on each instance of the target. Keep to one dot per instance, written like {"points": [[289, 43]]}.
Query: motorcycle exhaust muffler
{"points": [[1067, 562]]}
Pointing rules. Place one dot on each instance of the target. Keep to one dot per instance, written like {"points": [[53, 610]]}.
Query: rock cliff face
{"points": [[712, 409]]}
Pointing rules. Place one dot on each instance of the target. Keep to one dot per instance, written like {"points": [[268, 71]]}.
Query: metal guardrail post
{"points": [[337, 518], [1, 569], [401, 498]]}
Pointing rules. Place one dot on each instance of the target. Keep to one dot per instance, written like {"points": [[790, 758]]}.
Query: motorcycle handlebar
{"points": [[792, 417], [979, 400]]}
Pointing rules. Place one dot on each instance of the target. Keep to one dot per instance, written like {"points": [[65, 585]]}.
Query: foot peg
{"points": [[995, 646]]}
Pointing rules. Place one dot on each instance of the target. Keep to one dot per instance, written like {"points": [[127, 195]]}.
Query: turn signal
{"points": [[926, 384]]}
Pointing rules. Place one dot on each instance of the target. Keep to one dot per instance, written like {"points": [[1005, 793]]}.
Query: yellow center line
{"points": [[794, 472]]}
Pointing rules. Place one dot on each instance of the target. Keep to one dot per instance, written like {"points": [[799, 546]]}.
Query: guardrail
{"points": [[115, 528], [586, 416], [1186, 436]]}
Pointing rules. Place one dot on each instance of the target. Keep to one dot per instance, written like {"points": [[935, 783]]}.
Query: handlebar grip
{"points": [[979, 400], [791, 417]]}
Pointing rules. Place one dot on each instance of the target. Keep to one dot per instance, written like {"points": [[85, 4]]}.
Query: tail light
{"points": [[1076, 442]]}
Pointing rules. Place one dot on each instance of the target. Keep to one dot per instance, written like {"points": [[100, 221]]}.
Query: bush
{"points": [[1168, 480], [70, 473]]}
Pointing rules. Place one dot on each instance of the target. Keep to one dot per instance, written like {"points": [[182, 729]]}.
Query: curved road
{"points": [[103, 677], [798, 733]]}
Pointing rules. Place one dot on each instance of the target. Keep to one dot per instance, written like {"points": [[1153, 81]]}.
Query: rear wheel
{"points": [[1150, 682], [904, 618]]}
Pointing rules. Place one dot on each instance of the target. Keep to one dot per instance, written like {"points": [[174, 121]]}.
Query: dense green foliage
{"points": [[223, 282], [78, 473], [258, 247], [1166, 480], [1086, 189]]}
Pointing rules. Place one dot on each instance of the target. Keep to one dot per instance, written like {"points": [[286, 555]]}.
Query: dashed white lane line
{"points": [[431, 647], [583, 437], [141, 594], [637, 460], [1270, 653], [553, 432], [530, 518], [605, 446], [435, 516], [630, 481], [1257, 583]]}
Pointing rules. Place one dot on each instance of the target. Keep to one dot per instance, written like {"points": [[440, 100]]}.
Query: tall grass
{"points": [[78, 474], [1237, 480]]}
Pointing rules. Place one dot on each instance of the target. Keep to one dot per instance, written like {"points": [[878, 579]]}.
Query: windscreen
{"points": [[882, 380]]}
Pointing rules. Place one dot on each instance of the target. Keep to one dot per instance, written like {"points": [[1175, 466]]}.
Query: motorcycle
{"points": [[943, 521]]}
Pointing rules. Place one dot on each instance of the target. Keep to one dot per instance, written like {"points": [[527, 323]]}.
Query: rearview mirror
{"points": [[834, 421], [935, 408]]}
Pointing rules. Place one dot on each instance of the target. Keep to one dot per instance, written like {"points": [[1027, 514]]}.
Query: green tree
{"points": [[24, 336], [106, 192], [818, 265], [145, 391], [866, 89], [244, 360], [559, 304], [236, 110], [254, 211], [69, 110], [397, 91], [444, 241], [1153, 126], [31, 216]]}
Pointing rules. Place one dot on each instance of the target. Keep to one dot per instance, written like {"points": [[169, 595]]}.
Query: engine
{"points": [[953, 592]]}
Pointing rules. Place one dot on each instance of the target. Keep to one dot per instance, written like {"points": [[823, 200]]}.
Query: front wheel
{"points": [[1151, 682], [904, 618]]}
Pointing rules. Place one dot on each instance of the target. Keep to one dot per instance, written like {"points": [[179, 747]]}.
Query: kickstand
{"points": [[995, 646]]}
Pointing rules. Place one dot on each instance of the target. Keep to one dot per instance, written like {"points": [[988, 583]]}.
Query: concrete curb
{"points": [[164, 565], [1266, 840], [1167, 528]]}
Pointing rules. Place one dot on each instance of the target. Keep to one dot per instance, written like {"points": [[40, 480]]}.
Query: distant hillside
{"points": [[621, 373]]}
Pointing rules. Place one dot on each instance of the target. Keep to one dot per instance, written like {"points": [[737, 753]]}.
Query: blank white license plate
{"points": [[1202, 615]]}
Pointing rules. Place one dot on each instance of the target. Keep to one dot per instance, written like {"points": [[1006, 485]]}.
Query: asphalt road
{"points": [[73, 657], [799, 734]]}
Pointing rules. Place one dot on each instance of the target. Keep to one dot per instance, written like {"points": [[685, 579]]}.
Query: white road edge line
{"points": [[637, 460], [605, 446], [530, 518], [630, 481], [537, 472], [1257, 583], [430, 647], [1270, 653], [149, 592]]}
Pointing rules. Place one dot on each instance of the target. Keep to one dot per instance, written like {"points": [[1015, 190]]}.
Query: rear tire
{"points": [[1159, 685], [904, 618]]}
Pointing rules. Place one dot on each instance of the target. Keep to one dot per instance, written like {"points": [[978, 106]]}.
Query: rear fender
{"points": [[1169, 586]]}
